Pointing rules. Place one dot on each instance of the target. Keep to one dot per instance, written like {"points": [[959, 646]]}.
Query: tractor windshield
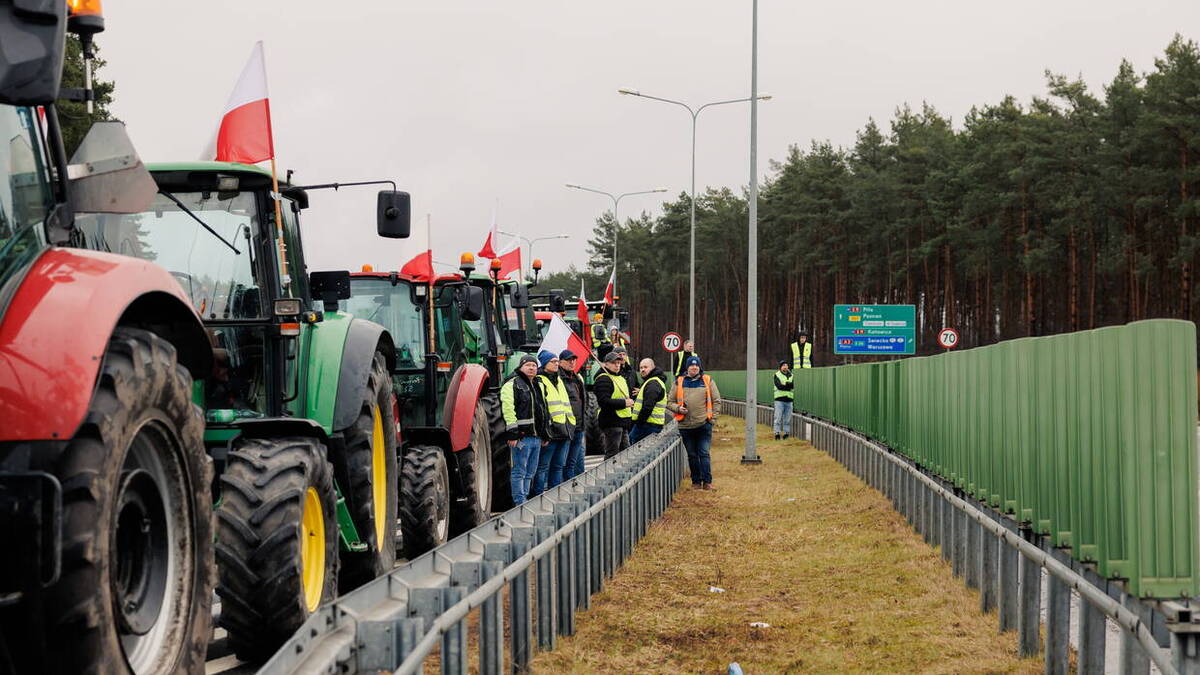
{"points": [[390, 305], [204, 240], [25, 194]]}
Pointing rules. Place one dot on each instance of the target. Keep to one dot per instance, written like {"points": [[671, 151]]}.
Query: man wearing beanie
{"points": [[616, 405], [525, 424], [568, 367], [694, 399], [561, 426]]}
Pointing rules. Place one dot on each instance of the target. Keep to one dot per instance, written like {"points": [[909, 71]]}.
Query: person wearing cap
{"points": [[525, 425], [694, 399], [561, 426], [627, 372], [784, 396], [568, 366], [801, 351], [650, 404], [680, 358], [616, 405]]}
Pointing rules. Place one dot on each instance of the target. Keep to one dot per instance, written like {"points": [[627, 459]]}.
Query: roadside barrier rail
{"points": [[570, 539], [1004, 561]]}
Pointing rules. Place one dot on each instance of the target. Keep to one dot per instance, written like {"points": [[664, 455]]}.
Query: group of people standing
{"points": [[546, 410], [785, 386]]}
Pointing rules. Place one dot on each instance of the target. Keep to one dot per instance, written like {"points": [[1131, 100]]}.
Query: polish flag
{"points": [[510, 259], [420, 267], [244, 134], [489, 250], [559, 336], [612, 285]]}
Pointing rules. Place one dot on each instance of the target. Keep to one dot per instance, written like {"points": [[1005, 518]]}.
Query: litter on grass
{"points": [[715, 589], [759, 624]]}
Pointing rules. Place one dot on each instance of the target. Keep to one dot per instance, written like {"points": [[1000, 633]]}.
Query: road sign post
{"points": [[874, 329]]}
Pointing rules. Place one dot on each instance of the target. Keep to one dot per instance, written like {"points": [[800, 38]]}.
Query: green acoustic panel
{"points": [[1088, 438]]}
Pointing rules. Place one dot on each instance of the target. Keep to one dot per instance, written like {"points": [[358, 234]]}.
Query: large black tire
{"points": [[593, 444], [474, 506], [371, 461], [424, 500], [267, 584], [136, 587], [501, 456]]}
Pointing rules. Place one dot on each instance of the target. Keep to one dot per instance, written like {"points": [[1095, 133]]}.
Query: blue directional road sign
{"points": [[874, 329]]}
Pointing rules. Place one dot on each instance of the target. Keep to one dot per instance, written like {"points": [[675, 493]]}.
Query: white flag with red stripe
{"points": [[610, 290], [510, 260], [581, 312], [244, 133], [559, 336]]}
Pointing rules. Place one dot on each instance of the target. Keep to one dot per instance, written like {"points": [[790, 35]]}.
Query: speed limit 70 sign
{"points": [[948, 338], [672, 342]]}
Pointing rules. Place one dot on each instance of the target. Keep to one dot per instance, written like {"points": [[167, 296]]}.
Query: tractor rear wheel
{"points": [[475, 467], [424, 500], [277, 541], [501, 456], [373, 482], [136, 586]]}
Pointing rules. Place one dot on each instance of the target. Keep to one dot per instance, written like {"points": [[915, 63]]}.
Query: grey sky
{"points": [[465, 103]]}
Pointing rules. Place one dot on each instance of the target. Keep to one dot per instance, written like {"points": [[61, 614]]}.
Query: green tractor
{"points": [[300, 419]]}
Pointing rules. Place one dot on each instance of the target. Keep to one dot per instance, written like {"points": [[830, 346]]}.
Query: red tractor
{"points": [[105, 509]]}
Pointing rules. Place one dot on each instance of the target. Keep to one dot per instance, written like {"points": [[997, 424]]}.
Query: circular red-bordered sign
{"points": [[672, 342], [948, 338]]}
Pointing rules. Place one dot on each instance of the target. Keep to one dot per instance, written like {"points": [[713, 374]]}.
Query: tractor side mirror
{"points": [[558, 300], [31, 62], [329, 287], [472, 303], [519, 296], [393, 214], [107, 176]]}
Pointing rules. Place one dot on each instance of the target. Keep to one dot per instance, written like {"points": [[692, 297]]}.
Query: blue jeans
{"points": [[554, 452], [524, 466], [641, 430], [558, 461], [697, 442], [783, 417], [574, 465]]}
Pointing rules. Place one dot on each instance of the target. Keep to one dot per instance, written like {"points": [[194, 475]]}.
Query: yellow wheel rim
{"points": [[312, 549], [379, 479]]}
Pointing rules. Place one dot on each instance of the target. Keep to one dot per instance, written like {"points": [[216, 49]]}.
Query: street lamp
{"points": [[529, 241], [616, 222], [694, 113]]}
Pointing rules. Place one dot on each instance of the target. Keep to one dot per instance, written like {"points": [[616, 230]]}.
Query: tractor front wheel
{"points": [[277, 538], [475, 466], [424, 500]]}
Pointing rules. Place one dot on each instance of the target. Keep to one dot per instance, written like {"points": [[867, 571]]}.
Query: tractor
{"points": [[299, 416]]}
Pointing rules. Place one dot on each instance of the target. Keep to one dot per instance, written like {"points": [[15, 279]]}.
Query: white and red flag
{"points": [[581, 312], [493, 239], [559, 336], [420, 267], [609, 290], [244, 134], [510, 260]]}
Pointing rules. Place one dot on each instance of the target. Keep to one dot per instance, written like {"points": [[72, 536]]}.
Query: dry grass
{"points": [[844, 583]]}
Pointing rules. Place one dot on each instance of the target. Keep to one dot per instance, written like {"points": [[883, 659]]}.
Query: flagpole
{"points": [[276, 197], [429, 243]]}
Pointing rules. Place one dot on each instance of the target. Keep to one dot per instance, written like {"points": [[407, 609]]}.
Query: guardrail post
{"points": [[565, 555], [1185, 653], [958, 535], [454, 640], [546, 586], [973, 562], [1058, 622], [1029, 616], [1091, 638], [1008, 600], [987, 570], [947, 530], [935, 517], [1133, 658], [521, 614], [491, 625]]}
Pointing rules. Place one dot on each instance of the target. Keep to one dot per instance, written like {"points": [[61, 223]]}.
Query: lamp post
{"points": [[751, 453], [616, 221], [694, 112], [529, 241]]}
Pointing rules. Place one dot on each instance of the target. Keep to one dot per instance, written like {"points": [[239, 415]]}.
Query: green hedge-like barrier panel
{"points": [[1088, 438]]}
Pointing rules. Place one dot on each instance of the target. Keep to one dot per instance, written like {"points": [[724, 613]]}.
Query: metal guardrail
{"points": [[1005, 562], [574, 536]]}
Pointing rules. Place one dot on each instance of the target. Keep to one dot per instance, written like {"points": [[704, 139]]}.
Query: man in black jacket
{"points": [[649, 407], [577, 392], [526, 422], [616, 403]]}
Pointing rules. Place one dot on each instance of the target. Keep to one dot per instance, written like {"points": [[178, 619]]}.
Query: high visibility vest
{"points": [[620, 393], [708, 402], [598, 334], [780, 378], [508, 406], [799, 360], [557, 401], [659, 414]]}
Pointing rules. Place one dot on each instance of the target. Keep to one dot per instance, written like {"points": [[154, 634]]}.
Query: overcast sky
{"points": [[467, 104]]}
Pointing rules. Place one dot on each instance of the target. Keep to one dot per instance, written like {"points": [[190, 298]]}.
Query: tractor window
{"points": [[390, 306], [295, 249], [213, 262], [449, 330], [238, 380], [25, 196]]}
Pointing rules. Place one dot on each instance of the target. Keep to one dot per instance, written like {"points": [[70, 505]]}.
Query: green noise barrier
{"points": [[1087, 438]]}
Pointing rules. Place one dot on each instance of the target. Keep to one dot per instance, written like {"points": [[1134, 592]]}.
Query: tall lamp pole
{"points": [[694, 112], [616, 200], [751, 455]]}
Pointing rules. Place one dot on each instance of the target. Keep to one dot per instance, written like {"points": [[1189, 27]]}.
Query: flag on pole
{"points": [[420, 267], [559, 336], [493, 238], [244, 133], [582, 311], [510, 260], [608, 291]]}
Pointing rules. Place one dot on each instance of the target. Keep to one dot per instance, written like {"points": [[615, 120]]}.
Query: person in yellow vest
{"points": [[680, 358], [561, 426], [596, 330], [650, 406], [616, 405], [801, 352], [694, 399], [785, 395]]}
